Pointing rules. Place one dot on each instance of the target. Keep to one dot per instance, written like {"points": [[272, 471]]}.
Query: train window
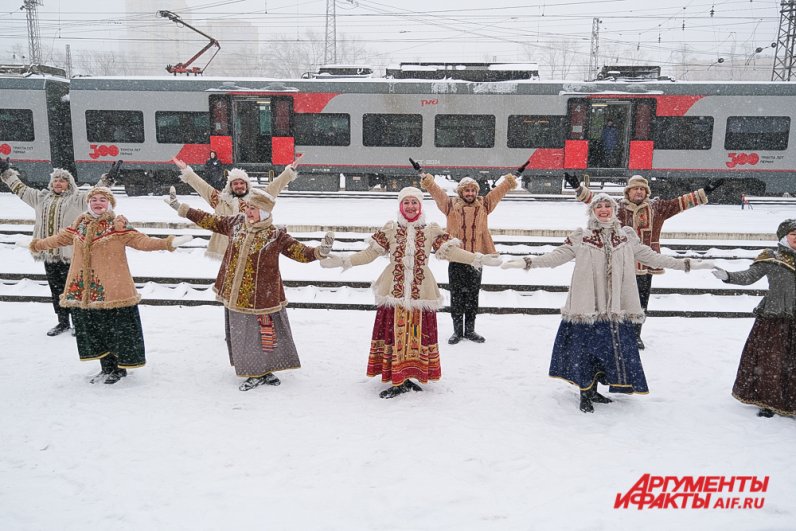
{"points": [[464, 130], [115, 126], [536, 131], [683, 132], [182, 127], [392, 130], [757, 132], [322, 129], [16, 125]]}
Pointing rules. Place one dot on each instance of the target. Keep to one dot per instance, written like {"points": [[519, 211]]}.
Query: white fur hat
{"points": [[634, 181], [66, 175], [410, 191], [236, 174]]}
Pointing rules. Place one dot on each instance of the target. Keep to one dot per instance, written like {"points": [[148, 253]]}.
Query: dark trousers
{"points": [[644, 283], [56, 277], [465, 286]]}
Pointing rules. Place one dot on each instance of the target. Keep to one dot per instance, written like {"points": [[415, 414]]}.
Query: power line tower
{"points": [[594, 54], [330, 49], [34, 42], [783, 57]]}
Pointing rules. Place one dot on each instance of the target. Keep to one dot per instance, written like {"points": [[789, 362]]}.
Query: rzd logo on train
{"points": [[103, 151]]}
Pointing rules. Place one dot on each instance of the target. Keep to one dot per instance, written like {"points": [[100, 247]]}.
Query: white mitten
{"points": [[181, 240], [514, 263], [702, 264], [487, 260], [23, 243], [720, 274], [326, 245], [171, 200], [333, 260], [184, 174]]}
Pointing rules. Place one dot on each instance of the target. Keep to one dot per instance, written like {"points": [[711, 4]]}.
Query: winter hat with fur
{"points": [[236, 174], [785, 227], [410, 191], [262, 200], [464, 183], [595, 223], [634, 181], [66, 175], [102, 190]]}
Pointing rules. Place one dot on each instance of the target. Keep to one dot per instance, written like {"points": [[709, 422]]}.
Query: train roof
{"points": [[414, 86]]}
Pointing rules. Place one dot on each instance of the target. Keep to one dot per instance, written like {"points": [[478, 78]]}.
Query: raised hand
{"points": [[113, 173], [295, 163], [326, 245], [171, 200], [712, 185], [180, 164], [572, 180], [5, 163]]}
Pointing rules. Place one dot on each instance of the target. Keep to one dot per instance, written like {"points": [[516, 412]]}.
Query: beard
{"points": [[238, 194]]}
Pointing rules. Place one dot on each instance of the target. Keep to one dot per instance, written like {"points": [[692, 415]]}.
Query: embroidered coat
{"points": [[648, 217], [224, 203], [99, 277], [603, 283], [407, 280], [248, 280], [54, 212], [779, 266], [468, 221]]}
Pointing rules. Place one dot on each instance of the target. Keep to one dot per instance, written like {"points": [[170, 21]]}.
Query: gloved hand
{"points": [[720, 274], [113, 173], [712, 185], [702, 264], [326, 245], [514, 263], [493, 260], [572, 180], [171, 200], [5, 164], [181, 240], [333, 260], [23, 243], [294, 165]]}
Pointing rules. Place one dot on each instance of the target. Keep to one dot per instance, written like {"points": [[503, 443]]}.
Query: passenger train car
{"points": [[677, 134]]}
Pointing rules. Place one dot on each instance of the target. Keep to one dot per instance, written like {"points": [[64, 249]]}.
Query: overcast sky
{"points": [[426, 30]]}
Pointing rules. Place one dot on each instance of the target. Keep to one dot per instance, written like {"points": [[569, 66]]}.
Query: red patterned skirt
{"points": [[404, 345]]}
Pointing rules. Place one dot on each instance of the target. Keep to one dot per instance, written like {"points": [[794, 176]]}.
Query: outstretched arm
{"points": [[492, 199], [439, 196], [202, 187], [62, 239], [29, 195]]}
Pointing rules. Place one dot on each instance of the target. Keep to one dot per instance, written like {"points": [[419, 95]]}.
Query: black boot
{"points": [[458, 329], [60, 328], [115, 376], [469, 329], [392, 392], [411, 386], [597, 398], [107, 365], [765, 412], [270, 379], [639, 342], [585, 403]]}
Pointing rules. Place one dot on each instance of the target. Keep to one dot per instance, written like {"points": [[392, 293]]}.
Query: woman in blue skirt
{"points": [[596, 341]]}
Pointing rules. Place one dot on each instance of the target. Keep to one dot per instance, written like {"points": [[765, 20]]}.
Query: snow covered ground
{"points": [[495, 445]]}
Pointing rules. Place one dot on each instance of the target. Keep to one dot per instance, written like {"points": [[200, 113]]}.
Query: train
{"points": [[357, 131]]}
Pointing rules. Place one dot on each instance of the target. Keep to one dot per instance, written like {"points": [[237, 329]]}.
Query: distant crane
{"points": [[186, 68], [34, 45]]}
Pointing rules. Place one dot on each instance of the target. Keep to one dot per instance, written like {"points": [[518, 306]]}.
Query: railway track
{"points": [[496, 298]]}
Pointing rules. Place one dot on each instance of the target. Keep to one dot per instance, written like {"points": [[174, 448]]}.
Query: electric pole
{"points": [[34, 45], [783, 57], [594, 54], [330, 49]]}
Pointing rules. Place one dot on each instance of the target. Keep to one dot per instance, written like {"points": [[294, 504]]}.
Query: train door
{"points": [[609, 134], [252, 129]]}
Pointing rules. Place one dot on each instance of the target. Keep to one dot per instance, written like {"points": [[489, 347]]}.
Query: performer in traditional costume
{"points": [[767, 372], [100, 291], [259, 338], [596, 341], [404, 342]]}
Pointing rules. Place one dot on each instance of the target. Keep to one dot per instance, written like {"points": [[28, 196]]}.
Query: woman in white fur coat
{"points": [[404, 342], [596, 341]]}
